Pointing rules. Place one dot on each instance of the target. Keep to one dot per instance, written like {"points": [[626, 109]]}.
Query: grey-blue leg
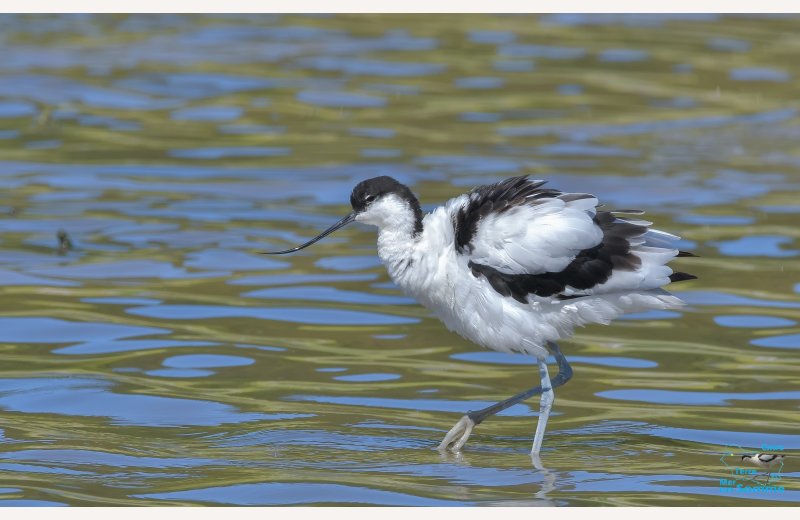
{"points": [[459, 434], [545, 404]]}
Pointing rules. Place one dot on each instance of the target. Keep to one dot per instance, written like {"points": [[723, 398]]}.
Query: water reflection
{"points": [[290, 493], [94, 398]]}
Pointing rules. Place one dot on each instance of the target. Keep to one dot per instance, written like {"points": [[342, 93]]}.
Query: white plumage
{"points": [[515, 267]]}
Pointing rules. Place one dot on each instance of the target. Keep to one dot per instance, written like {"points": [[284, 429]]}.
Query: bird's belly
{"points": [[468, 306]]}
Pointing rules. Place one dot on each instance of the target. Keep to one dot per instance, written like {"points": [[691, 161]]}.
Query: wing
{"points": [[530, 240], [519, 227]]}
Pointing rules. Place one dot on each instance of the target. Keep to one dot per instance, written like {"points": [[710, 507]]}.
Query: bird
{"points": [[764, 460], [515, 266]]}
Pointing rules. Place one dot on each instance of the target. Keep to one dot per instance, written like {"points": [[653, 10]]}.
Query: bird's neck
{"points": [[396, 243]]}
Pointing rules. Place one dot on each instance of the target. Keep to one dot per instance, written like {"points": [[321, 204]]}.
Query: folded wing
{"points": [[528, 240]]}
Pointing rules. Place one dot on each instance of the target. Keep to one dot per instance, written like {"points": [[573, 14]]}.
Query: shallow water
{"points": [[160, 360]]}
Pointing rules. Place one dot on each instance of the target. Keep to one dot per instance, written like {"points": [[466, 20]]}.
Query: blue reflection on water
{"points": [[244, 129], [192, 85], [729, 44], [723, 299], [658, 484], [693, 398], [230, 151], [119, 270], [724, 438], [8, 278], [208, 113], [367, 67], [30, 503], [122, 301], [625, 20], [329, 294], [715, 220], [787, 341], [715, 437], [759, 74], [179, 372], [650, 315], [32, 468], [280, 493], [51, 330], [752, 322], [340, 99], [380, 152], [116, 460], [425, 405], [261, 347], [763, 245], [349, 263], [93, 398], [207, 361], [9, 109], [492, 37], [367, 378], [285, 314]]}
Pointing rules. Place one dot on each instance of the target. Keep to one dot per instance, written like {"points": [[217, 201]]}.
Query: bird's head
{"points": [[383, 201], [380, 201]]}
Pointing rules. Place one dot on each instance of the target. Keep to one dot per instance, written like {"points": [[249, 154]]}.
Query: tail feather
{"points": [[679, 277]]}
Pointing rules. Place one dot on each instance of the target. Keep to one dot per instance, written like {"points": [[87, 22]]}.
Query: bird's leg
{"points": [[545, 404], [460, 433]]}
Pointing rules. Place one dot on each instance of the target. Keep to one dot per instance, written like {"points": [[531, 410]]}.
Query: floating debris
{"points": [[64, 242]]}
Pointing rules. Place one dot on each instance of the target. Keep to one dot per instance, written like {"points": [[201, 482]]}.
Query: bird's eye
{"points": [[369, 198]]}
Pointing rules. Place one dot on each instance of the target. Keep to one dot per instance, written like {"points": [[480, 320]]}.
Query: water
{"points": [[161, 360]]}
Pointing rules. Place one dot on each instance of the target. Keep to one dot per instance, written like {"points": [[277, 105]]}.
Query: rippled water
{"points": [[160, 360]]}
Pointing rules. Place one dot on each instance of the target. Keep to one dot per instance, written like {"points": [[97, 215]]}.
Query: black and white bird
{"points": [[764, 460], [514, 267]]}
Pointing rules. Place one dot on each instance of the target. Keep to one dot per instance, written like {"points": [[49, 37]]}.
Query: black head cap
{"points": [[370, 190]]}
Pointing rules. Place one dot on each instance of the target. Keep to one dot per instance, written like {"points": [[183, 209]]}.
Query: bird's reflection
{"points": [[540, 498], [548, 479]]}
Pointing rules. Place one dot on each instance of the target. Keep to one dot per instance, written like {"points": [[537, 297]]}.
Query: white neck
{"points": [[396, 223], [396, 250]]}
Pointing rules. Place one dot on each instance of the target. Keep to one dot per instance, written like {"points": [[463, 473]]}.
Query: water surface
{"points": [[161, 360]]}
